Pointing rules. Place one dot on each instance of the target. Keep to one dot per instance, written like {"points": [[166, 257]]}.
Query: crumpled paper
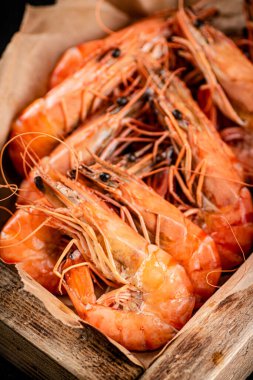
{"points": [[46, 32]]}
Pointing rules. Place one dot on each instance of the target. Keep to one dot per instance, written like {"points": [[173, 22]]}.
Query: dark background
{"points": [[11, 13]]}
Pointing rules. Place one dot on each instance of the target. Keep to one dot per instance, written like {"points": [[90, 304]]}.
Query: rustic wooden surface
{"points": [[217, 343], [45, 348]]}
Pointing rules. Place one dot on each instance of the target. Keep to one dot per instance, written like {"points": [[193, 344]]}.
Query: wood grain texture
{"points": [[45, 348], [217, 343]]}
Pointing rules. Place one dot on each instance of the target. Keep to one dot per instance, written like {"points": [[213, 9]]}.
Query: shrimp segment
{"points": [[177, 235], [73, 59], [125, 257], [222, 64], [117, 313], [37, 255], [228, 66]]}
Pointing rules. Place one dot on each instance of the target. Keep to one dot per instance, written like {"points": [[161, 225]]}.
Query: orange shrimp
{"points": [[226, 68], [37, 255], [73, 59], [62, 108], [116, 44], [13, 249], [166, 226], [224, 202], [27, 247], [161, 297], [223, 65], [118, 314], [92, 136]]}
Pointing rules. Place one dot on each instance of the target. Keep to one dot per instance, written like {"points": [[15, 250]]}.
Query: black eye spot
{"points": [[177, 114], [198, 23], [104, 177], [160, 157], [72, 174], [39, 183], [122, 101], [131, 157], [116, 53], [148, 94], [74, 255]]}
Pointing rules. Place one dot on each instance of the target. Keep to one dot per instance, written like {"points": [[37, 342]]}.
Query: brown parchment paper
{"points": [[45, 33]]}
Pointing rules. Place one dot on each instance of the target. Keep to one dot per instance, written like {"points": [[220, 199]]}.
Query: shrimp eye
{"points": [[72, 174], [74, 255], [116, 53], [160, 157], [122, 101], [177, 114], [148, 94], [39, 183], [198, 23], [131, 157], [104, 177]]}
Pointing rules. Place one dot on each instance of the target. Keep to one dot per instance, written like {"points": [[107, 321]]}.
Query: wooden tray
{"points": [[217, 343]]}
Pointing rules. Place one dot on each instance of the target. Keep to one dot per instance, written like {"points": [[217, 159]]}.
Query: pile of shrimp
{"points": [[136, 170]]}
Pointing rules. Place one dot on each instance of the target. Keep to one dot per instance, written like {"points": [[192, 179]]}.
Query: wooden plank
{"points": [[217, 343], [45, 348]]}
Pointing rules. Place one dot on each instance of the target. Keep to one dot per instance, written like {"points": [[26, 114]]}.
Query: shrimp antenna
{"points": [[39, 135], [12, 187], [243, 255], [99, 20]]}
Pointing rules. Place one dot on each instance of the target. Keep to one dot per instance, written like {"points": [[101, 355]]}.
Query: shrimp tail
{"points": [[136, 332]]}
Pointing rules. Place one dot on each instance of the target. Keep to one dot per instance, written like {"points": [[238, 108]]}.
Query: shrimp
{"points": [[119, 314], [161, 295], [69, 103], [117, 43], [91, 137], [27, 247], [165, 224], [223, 64], [37, 255], [224, 202], [73, 59], [227, 70]]}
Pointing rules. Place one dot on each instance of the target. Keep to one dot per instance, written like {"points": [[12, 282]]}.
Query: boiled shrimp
{"points": [[163, 223], [225, 204], [25, 240], [227, 70], [161, 293], [28, 247], [116, 44]]}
